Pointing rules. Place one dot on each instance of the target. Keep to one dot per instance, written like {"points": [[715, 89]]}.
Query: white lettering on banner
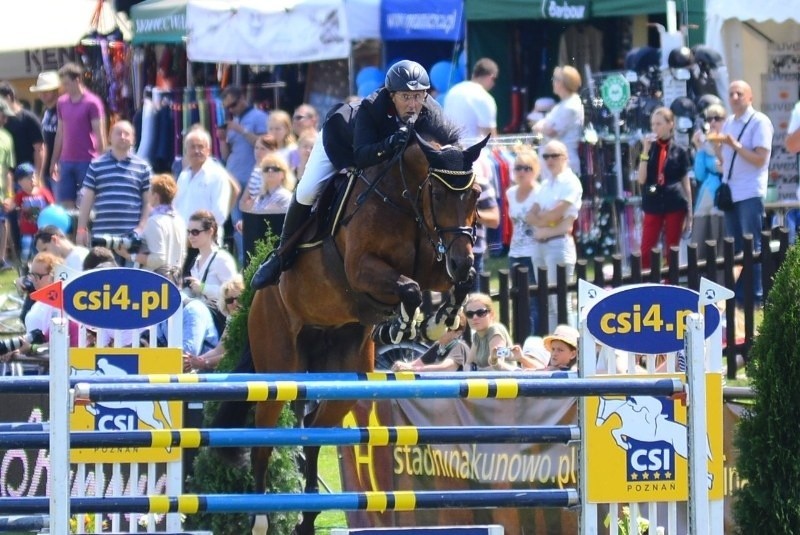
{"points": [[564, 11], [161, 24], [422, 21]]}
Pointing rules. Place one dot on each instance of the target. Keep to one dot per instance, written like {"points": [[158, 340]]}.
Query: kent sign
{"points": [[565, 9]]}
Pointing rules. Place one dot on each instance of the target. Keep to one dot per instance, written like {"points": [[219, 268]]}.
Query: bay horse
{"points": [[404, 227]]}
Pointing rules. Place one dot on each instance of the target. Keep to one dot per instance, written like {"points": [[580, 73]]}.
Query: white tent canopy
{"points": [[741, 31], [38, 24], [266, 33]]}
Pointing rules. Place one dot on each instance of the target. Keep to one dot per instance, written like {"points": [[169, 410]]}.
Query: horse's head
{"points": [[449, 198]]}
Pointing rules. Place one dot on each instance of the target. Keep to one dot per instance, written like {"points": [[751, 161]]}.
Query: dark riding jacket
{"points": [[354, 135]]}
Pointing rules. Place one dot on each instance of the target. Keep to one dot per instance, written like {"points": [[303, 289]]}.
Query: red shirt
{"points": [[30, 205]]}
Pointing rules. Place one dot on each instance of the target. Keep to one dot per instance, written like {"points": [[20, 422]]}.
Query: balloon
{"points": [[441, 75], [368, 87], [440, 97], [55, 215], [369, 74]]}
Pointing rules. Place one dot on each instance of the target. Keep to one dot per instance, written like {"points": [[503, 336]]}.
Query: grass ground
{"points": [[329, 472]]}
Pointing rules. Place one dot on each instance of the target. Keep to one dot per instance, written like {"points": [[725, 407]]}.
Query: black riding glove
{"points": [[398, 139]]}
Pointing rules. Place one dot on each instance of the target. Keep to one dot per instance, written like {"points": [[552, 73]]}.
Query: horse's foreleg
{"points": [[404, 325], [446, 317]]}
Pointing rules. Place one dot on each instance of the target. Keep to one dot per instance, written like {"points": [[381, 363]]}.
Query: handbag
{"points": [[723, 199]]}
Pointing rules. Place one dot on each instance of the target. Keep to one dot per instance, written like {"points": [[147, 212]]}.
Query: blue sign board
{"points": [[405, 20], [647, 318], [121, 298]]}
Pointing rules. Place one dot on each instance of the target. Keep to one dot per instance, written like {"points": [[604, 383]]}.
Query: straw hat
{"points": [[46, 81], [565, 333]]}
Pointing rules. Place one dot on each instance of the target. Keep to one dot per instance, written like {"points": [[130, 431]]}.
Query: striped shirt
{"points": [[118, 186]]}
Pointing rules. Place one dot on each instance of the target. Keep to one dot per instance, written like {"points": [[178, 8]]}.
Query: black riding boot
{"points": [[269, 272]]}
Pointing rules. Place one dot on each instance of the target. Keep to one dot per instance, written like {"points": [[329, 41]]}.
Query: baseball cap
{"points": [[24, 170], [5, 108], [46, 81]]}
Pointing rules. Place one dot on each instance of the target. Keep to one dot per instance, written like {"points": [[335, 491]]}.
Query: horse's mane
{"points": [[435, 127]]}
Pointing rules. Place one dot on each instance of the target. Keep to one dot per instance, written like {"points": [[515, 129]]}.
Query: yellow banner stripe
{"points": [[189, 504], [158, 378], [190, 438], [378, 436], [287, 391], [256, 391], [159, 504], [405, 500], [160, 438], [407, 436], [507, 388], [376, 501], [477, 388]]}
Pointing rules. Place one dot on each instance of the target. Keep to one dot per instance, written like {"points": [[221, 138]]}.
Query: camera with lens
{"points": [[131, 242], [27, 285], [13, 343]]}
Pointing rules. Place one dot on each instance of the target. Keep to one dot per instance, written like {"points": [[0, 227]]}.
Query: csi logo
{"points": [[123, 415]]}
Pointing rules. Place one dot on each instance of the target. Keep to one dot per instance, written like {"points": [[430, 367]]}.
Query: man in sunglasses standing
{"points": [[244, 126], [354, 135]]}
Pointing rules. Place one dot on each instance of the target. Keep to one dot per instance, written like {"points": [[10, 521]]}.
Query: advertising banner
{"points": [[495, 466], [403, 20]]}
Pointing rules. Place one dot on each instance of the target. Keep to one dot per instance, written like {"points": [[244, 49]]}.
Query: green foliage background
{"points": [[768, 437], [212, 475]]}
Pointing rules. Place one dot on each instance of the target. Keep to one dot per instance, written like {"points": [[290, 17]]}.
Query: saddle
{"points": [[326, 216]]}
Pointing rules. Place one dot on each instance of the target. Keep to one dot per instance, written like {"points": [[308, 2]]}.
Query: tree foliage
{"points": [[768, 437], [211, 475]]}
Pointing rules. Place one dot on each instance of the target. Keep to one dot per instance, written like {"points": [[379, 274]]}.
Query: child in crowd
{"points": [[30, 200], [563, 348]]}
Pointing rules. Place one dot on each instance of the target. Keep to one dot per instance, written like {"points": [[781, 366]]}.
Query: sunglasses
{"points": [[271, 169], [481, 312], [195, 231], [231, 300], [715, 118], [523, 168], [551, 156], [300, 117], [39, 276]]}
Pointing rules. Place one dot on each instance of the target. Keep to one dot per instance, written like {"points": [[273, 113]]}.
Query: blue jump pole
{"points": [[39, 385], [376, 436], [266, 503], [23, 523], [23, 426], [328, 390]]}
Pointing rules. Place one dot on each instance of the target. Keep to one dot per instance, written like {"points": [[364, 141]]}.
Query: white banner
{"points": [[780, 95], [266, 33]]}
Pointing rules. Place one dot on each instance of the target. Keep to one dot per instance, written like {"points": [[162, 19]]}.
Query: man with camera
{"points": [[115, 187]]}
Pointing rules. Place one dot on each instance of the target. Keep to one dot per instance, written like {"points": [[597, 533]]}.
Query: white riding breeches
{"points": [[319, 170]]}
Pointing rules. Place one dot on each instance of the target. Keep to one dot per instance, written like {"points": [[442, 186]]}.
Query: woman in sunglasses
{"points": [[228, 306], [552, 216], [491, 342], [277, 184], [213, 265], [666, 192], [708, 222]]}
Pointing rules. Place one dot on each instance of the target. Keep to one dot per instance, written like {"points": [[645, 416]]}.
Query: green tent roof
{"points": [[532, 9], [159, 21]]}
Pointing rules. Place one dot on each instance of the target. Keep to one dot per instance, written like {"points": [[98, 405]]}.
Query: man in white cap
{"points": [[47, 86]]}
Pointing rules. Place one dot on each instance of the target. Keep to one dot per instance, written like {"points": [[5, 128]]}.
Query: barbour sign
{"points": [[565, 9]]}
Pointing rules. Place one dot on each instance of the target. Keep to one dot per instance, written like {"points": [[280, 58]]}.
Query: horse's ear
{"points": [[472, 153]]}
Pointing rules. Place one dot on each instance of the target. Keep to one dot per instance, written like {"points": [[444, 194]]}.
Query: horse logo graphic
{"points": [[123, 415], [649, 435]]}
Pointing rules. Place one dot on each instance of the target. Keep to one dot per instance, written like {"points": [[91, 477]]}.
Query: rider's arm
{"points": [[369, 148]]}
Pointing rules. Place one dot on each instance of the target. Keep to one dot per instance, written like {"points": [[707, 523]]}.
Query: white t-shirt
{"points": [[747, 181], [471, 107], [75, 258], [564, 187], [522, 242], [566, 118]]}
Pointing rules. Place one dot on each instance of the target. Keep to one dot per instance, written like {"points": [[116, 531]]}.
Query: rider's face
{"points": [[408, 103]]}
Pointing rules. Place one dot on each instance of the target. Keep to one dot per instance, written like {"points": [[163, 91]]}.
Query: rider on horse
{"points": [[380, 130]]}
